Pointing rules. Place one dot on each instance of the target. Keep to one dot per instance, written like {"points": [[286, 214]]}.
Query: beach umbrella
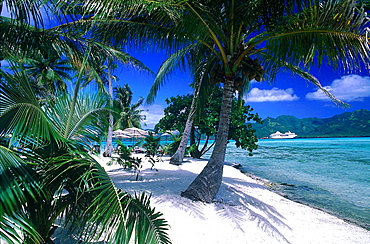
{"points": [[121, 136], [169, 134], [135, 132], [118, 132], [166, 134]]}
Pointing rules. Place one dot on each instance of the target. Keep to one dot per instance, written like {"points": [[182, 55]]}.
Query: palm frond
{"points": [[274, 64], [27, 11], [21, 116], [147, 218], [175, 60], [13, 229], [17, 186], [331, 32], [116, 216], [88, 120]]}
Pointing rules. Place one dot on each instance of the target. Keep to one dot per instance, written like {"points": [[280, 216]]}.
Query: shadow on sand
{"points": [[232, 203]]}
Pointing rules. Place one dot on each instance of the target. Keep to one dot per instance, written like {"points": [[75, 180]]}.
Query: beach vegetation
{"points": [[204, 127], [170, 148], [48, 71], [123, 156], [231, 43], [152, 148], [50, 181]]}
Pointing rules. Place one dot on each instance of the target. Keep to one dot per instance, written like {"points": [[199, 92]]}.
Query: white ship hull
{"points": [[286, 135]]}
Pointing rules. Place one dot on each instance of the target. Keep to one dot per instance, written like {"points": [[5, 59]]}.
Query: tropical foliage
{"points": [[152, 148], [228, 42], [124, 157], [206, 122], [48, 179]]}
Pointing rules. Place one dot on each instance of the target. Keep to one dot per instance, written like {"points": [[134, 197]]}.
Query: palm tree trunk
{"points": [[177, 158], [109, 145], [195, 153], [208, 182]]}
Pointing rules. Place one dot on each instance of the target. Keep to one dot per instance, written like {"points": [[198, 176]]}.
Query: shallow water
{"points": [[332, 174]]}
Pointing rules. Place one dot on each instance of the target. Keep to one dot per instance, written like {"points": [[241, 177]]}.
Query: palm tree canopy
{"points": [[248, 39]]}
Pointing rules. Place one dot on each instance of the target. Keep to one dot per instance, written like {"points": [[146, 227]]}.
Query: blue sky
{"points": [[289, 95]]}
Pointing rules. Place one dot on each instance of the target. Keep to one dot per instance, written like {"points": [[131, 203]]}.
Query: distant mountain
{"points": [[347, 124]]}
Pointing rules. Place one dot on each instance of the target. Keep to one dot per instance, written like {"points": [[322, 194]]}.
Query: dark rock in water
{"points": [[286, 184], [237, 166]]}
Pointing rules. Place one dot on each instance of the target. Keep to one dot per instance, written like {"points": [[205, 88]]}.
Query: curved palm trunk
{"points": [[208, 182], [177, 158], [195, 153], [109, 145]]}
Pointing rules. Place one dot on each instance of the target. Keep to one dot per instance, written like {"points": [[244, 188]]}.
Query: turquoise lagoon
{"points": [[332, 174]]}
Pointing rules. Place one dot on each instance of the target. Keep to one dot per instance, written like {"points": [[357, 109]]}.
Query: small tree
{"points": [[206, 122], [125, 159], [152, 147]]}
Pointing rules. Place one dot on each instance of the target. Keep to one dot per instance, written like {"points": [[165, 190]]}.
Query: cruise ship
{"points": [[286, 135]]}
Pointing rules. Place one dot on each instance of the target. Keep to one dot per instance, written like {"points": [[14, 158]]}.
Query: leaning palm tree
{"points": [[48, 179], [257, 39], [254, 40], [201, 67], [103, 76]]}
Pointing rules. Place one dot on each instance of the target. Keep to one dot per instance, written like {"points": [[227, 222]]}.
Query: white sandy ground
{"points": [[244, 211]]}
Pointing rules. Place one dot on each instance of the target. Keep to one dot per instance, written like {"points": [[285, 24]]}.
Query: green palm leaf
{"points": [[18, 185], [115, 215], [21, 116], [332, 32], [88, 117]]}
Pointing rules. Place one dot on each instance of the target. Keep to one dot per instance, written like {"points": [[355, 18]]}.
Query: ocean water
{"points": [[331, 174]]}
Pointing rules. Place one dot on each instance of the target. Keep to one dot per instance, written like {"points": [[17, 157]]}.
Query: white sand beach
{"points": [[244, 211]]}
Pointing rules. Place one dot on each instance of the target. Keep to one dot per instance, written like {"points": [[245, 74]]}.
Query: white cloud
{"points": [[348, 88], [153, 114], [273, 95]]}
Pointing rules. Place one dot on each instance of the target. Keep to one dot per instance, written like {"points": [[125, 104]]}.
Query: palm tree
{"points": [[178, 156], [252, 40], [130, 114], [103, 76], [101, 71], [48, 178]]}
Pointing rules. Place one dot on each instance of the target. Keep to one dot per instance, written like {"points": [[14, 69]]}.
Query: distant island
{"points": [[349, 124]]}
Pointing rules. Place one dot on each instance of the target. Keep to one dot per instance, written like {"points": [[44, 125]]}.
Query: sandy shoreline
{"points": [[244, 211]]}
